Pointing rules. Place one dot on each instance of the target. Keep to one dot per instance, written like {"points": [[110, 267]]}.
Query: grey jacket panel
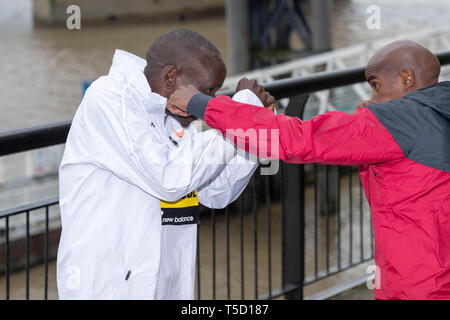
{"points": [[420, 124]]}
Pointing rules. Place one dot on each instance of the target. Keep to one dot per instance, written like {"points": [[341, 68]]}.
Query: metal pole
{"points": [[327, 204], [293, 215], [321, 24], [237, 15], [2, 171]]}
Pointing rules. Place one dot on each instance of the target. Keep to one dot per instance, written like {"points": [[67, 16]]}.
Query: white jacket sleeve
{"points": [[110, 134], [229, 184]]}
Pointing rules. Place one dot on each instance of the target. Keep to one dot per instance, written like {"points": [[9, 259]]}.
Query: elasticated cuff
{"points": [[197, 105]]}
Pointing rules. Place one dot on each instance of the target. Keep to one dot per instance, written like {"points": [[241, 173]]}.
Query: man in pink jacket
{"points": [[401, 141]]}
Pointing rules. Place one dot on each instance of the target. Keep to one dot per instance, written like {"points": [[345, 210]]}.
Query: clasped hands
{"points": [[178, 101]]}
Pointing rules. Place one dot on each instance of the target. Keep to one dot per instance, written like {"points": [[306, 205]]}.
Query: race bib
{"points": [[183, 211]]}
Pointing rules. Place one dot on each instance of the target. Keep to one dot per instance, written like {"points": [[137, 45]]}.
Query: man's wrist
{"points": [[198, 104]]}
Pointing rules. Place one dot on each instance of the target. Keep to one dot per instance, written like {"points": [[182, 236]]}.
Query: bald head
{"points": [[399, 68], [188, 54], [183, 57], [407, 55]]}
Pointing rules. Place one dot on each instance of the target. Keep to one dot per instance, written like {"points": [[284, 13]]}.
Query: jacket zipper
{"points": [[133, 260]]}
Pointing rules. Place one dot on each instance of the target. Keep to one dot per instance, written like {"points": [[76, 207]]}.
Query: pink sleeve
{"points": [[333, 137]]}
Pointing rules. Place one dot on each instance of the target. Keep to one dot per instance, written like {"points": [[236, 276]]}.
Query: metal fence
{"points": [[286, 231], [22, 246]]}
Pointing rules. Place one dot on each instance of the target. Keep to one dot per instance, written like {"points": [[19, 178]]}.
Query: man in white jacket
{"points": [[132, 175]]}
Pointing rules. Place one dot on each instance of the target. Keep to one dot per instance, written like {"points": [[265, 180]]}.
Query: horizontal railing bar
{"points": [[324, 80], [278, 293], [29, 207], [33, 138], [338, 289], [56, 133], [323, 273]]}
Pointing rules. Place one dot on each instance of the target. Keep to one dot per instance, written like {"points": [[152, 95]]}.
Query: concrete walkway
{"points": [[358, 293]]}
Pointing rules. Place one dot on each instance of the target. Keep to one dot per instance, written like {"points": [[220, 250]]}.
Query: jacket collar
{"points": [[129, 69]]}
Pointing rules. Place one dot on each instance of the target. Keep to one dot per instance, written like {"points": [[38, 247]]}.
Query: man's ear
{"points": [[408, 79], [170, 76]]}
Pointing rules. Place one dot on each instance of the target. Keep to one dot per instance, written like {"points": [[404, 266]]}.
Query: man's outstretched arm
{"points": [[333, 138]]}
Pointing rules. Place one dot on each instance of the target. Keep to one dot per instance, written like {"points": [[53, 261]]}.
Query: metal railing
{"points": [[16, 212], [285, 232], [338, 59]]}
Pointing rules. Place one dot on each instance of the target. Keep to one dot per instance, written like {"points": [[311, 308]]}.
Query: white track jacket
{"points": [[122, 157]]}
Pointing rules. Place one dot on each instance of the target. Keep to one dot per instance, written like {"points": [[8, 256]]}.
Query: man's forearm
{"points": [[236, 121], [331, 138]]}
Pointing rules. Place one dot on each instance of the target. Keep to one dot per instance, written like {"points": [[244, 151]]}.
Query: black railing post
{"points": [[7, 269], [293, 178], [293, 230]]}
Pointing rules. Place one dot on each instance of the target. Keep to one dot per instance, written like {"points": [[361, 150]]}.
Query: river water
{"points": [[42, 69]]}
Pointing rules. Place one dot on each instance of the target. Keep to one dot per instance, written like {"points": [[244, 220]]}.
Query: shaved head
{"points": [[188, 52], [399, 68], [407, 55], [183, 57]]}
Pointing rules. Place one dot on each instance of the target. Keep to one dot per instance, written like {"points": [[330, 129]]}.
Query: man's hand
{"points": [[266, 98], [178, 101], [363, 104]]}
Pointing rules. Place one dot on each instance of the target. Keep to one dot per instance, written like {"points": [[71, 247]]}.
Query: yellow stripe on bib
{"points": [[189, 200]]}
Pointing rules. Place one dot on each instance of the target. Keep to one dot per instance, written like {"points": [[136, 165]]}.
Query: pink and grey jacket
{"points": [[402, 148]]}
